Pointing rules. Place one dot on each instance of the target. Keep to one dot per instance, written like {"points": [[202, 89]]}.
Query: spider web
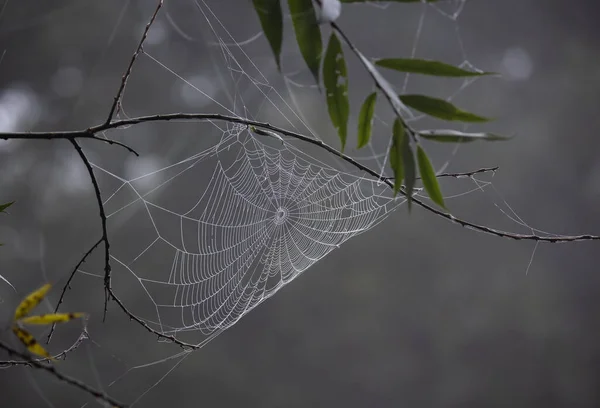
{"points": [[213, 234], [265, 215]]}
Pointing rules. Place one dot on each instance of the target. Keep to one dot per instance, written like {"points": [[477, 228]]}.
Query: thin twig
{"points": [[114, 142], [104, 238], [464, 174], [173, 339], [101, 395], [68, 135], [469, 174], [137, 52], [68, 284], [504, 234]]}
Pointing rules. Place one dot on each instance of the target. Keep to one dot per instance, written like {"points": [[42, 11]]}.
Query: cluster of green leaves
{"points": [[405, 140]]}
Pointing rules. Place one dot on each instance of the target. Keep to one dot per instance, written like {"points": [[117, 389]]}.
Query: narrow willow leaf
{"points": [[30, 342], [410, 171], [271, 21], [396, 157], [440, 108], [427, 67], [5, 206], [31, 301], [335, 78], [51, 318], [455, 136], [330, 10], [308, 33], [428, 177], [365, 120]]}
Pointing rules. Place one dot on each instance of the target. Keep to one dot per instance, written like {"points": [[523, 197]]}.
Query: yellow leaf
{"points": [[30, 342], [31, 301], [50, 318]]}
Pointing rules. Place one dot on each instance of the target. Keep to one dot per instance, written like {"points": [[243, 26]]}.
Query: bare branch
{"points": [[69, 134], [101, 395], [87, 134], [137, 52], [68, 284], [66, 135], [104, 238]]}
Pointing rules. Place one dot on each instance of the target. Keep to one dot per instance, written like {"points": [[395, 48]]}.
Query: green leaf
{"points": [[428, 177], [440, 108], [365, 120], [3, 207], [396, 157], [410, 171], [454, 136], [402, 161], [271, 21], [427, 67], [335, 78], [308, 33]]}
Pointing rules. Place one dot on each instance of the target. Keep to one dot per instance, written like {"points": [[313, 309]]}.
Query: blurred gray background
{"points": [[416, 312]]}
